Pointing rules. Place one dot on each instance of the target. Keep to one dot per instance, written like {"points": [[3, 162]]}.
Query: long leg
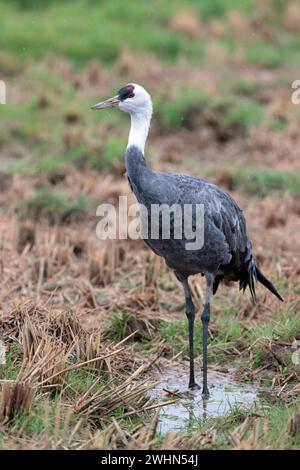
{"points": [[205, 317], [190, 313]]}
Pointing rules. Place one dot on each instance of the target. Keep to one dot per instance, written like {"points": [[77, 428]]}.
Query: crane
{"points": [[226, 253]]}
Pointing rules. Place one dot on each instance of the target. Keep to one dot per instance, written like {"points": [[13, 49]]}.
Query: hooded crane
{"points": [[226, 253]]}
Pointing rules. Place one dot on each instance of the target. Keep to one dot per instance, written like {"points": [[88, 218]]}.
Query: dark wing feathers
{"points": [[227, 251], [226, 224]]}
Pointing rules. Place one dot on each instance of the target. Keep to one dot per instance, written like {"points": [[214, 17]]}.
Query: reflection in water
{"points": [[225, 393]]}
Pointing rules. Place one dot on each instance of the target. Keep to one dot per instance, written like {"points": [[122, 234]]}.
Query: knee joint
{"points": [[205, 314], [190, 310]]}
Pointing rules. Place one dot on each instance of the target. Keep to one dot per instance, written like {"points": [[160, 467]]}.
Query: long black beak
{"points": [[110, 103]]}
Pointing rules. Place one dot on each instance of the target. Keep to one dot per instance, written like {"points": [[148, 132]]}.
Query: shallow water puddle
{"points": [[225, 393]]}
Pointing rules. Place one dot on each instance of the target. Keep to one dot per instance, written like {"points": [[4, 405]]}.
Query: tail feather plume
{"points": [[268, 284], [251, 274]]}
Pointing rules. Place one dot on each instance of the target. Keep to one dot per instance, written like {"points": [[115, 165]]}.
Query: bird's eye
{"points": [[131, 95]]}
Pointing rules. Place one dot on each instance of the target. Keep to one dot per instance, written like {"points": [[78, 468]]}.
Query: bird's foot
{"points": [[205, 393], [194, 386]]}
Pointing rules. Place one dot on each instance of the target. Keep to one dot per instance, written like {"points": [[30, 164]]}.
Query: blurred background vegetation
{"points": [[226, 66]]}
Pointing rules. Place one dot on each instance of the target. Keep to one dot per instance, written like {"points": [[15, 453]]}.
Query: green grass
{"points": [[11, 368], [207, 8], [107, 28], [34, 423], [32, 30], [118, 326], [266, 55], [111, 157], [226, 331], [122, 324], [50, 128], [56, 205], [190, 107], [44, 417], [276, 437], [174, 112], [39, 120], [48, 164], [244, 114], [261, 417], [79, 380], [261, 182], [281, 437], [244, 87], [285, 328]]}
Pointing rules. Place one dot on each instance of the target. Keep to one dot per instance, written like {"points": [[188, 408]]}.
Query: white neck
{"points": [[140, 123]]}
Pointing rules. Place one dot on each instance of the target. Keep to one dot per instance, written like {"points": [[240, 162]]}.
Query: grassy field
{"points": [[88, 324]]}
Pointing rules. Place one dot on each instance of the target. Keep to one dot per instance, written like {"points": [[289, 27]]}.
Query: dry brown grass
{"points": [[50, 346], [61, 289], [16, 398]]}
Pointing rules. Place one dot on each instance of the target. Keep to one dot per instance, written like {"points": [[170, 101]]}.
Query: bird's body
{"points": [[227, 250], [224, 223]]}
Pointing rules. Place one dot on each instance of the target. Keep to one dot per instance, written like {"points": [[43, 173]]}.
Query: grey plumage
{"points": [[227, 250]]}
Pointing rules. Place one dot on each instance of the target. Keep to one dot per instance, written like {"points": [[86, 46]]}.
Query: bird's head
{"points": [[132, 99]]}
